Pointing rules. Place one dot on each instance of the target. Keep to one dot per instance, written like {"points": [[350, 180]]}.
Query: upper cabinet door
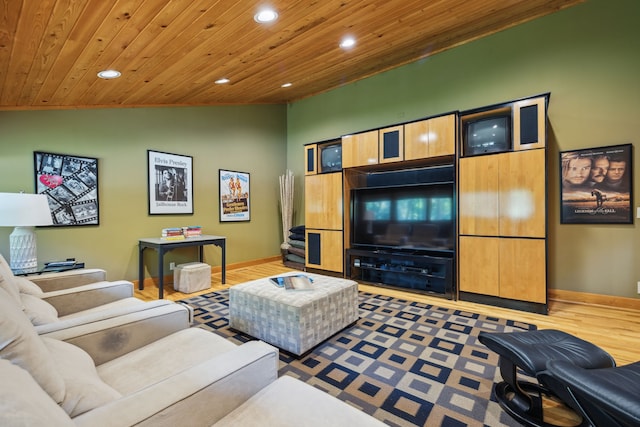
{"points": [[523, 194], [310, 159], [479, 196], [430, 138], [391, 142], [503, 194], [416, 136], [442, 136], [323, 201], [529, 124], [360, 149]]}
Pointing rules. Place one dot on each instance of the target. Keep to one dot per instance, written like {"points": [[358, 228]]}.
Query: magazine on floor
{"points": [[298, 282]]}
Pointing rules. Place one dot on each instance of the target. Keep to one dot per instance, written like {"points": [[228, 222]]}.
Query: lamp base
{"points": [[22, 250]]}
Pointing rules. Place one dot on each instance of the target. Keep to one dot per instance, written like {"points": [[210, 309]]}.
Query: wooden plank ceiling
{"points": [[170, 52]]}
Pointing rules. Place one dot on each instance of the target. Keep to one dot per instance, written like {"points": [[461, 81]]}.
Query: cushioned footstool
{"points": [[530, 351], [192, 277], [289, 402], [293, 320]]}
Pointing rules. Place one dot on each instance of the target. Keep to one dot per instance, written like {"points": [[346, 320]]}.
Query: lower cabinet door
{"points": [[503, 267], [523, 273], [324, 250], [479, 265]]}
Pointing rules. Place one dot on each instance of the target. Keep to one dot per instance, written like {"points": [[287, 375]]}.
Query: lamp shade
{"points": [[24, 210]]}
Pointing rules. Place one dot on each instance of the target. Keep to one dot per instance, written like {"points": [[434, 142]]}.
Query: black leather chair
{"points": [[528, 353], [608, 397]]}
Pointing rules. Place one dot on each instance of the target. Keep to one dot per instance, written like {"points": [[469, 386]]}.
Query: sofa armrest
{"points": [[68, 301], [111, 338], [68, 279], [202, 394], [102, 315]]}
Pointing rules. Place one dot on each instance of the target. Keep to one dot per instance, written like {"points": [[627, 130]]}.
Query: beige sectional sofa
{"points": [[146, 368], [150, 369]]}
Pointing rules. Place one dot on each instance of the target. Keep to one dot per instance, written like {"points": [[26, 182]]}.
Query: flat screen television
{"points": [[416, 217], [331, 157], [490, 134]]}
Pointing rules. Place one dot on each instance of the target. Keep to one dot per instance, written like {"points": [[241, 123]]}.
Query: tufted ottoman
{"points": [[294, 321], [530, 351]]}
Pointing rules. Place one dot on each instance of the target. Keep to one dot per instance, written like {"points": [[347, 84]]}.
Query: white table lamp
{"points": [[23, 211]]}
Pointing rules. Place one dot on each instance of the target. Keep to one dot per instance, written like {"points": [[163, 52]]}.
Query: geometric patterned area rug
{"points": [[405, 363]]}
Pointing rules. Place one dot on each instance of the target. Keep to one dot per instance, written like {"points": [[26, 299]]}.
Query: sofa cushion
{"points": [[26, 286], [297, 251], [289, 402], [38, 311], [295, 258], [297, 243], [23, 403], [20, 344], [5, 269], [295, 236], [298, 229], [114, 306], [84, 388], [7, 282], [143, 367]]}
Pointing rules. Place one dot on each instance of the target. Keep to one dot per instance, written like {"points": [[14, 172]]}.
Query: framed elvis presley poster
{"points": [[170, 183], [596, 185]]}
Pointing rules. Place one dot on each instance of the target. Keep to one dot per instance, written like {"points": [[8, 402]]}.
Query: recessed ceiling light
{"points": [[347, 42], [286, 85], [221, 81], [109, 74], [265, 15]]}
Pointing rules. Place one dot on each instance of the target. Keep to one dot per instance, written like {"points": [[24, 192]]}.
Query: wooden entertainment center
{"points": [[483, 174]]}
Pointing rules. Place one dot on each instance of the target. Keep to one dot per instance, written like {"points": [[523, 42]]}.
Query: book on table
{"points": [[298, 282]]}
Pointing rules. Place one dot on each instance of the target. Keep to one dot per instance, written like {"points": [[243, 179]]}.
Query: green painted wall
{"points": [[586, 56], [244, 138]]}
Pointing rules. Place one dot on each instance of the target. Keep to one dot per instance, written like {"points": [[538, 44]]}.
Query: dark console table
{"points": [[163, 246]]}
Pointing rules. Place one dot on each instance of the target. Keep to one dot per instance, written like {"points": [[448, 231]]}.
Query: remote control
{"points": [[59, 264]]}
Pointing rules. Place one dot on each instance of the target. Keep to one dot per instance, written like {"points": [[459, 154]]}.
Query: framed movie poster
{"points": [[596, 185], [170, 183], [234, 196], [71, 186]]}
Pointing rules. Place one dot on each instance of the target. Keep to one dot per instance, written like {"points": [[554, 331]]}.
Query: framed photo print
{"points": [[71, 186], [596, 185], [170, 183], [234, 196]]}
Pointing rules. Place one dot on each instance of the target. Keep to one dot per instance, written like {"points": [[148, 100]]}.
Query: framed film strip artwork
{"points": [[71, 186]]}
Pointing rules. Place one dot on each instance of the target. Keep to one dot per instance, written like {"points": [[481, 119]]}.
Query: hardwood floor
{"points": [[616, 330]]}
